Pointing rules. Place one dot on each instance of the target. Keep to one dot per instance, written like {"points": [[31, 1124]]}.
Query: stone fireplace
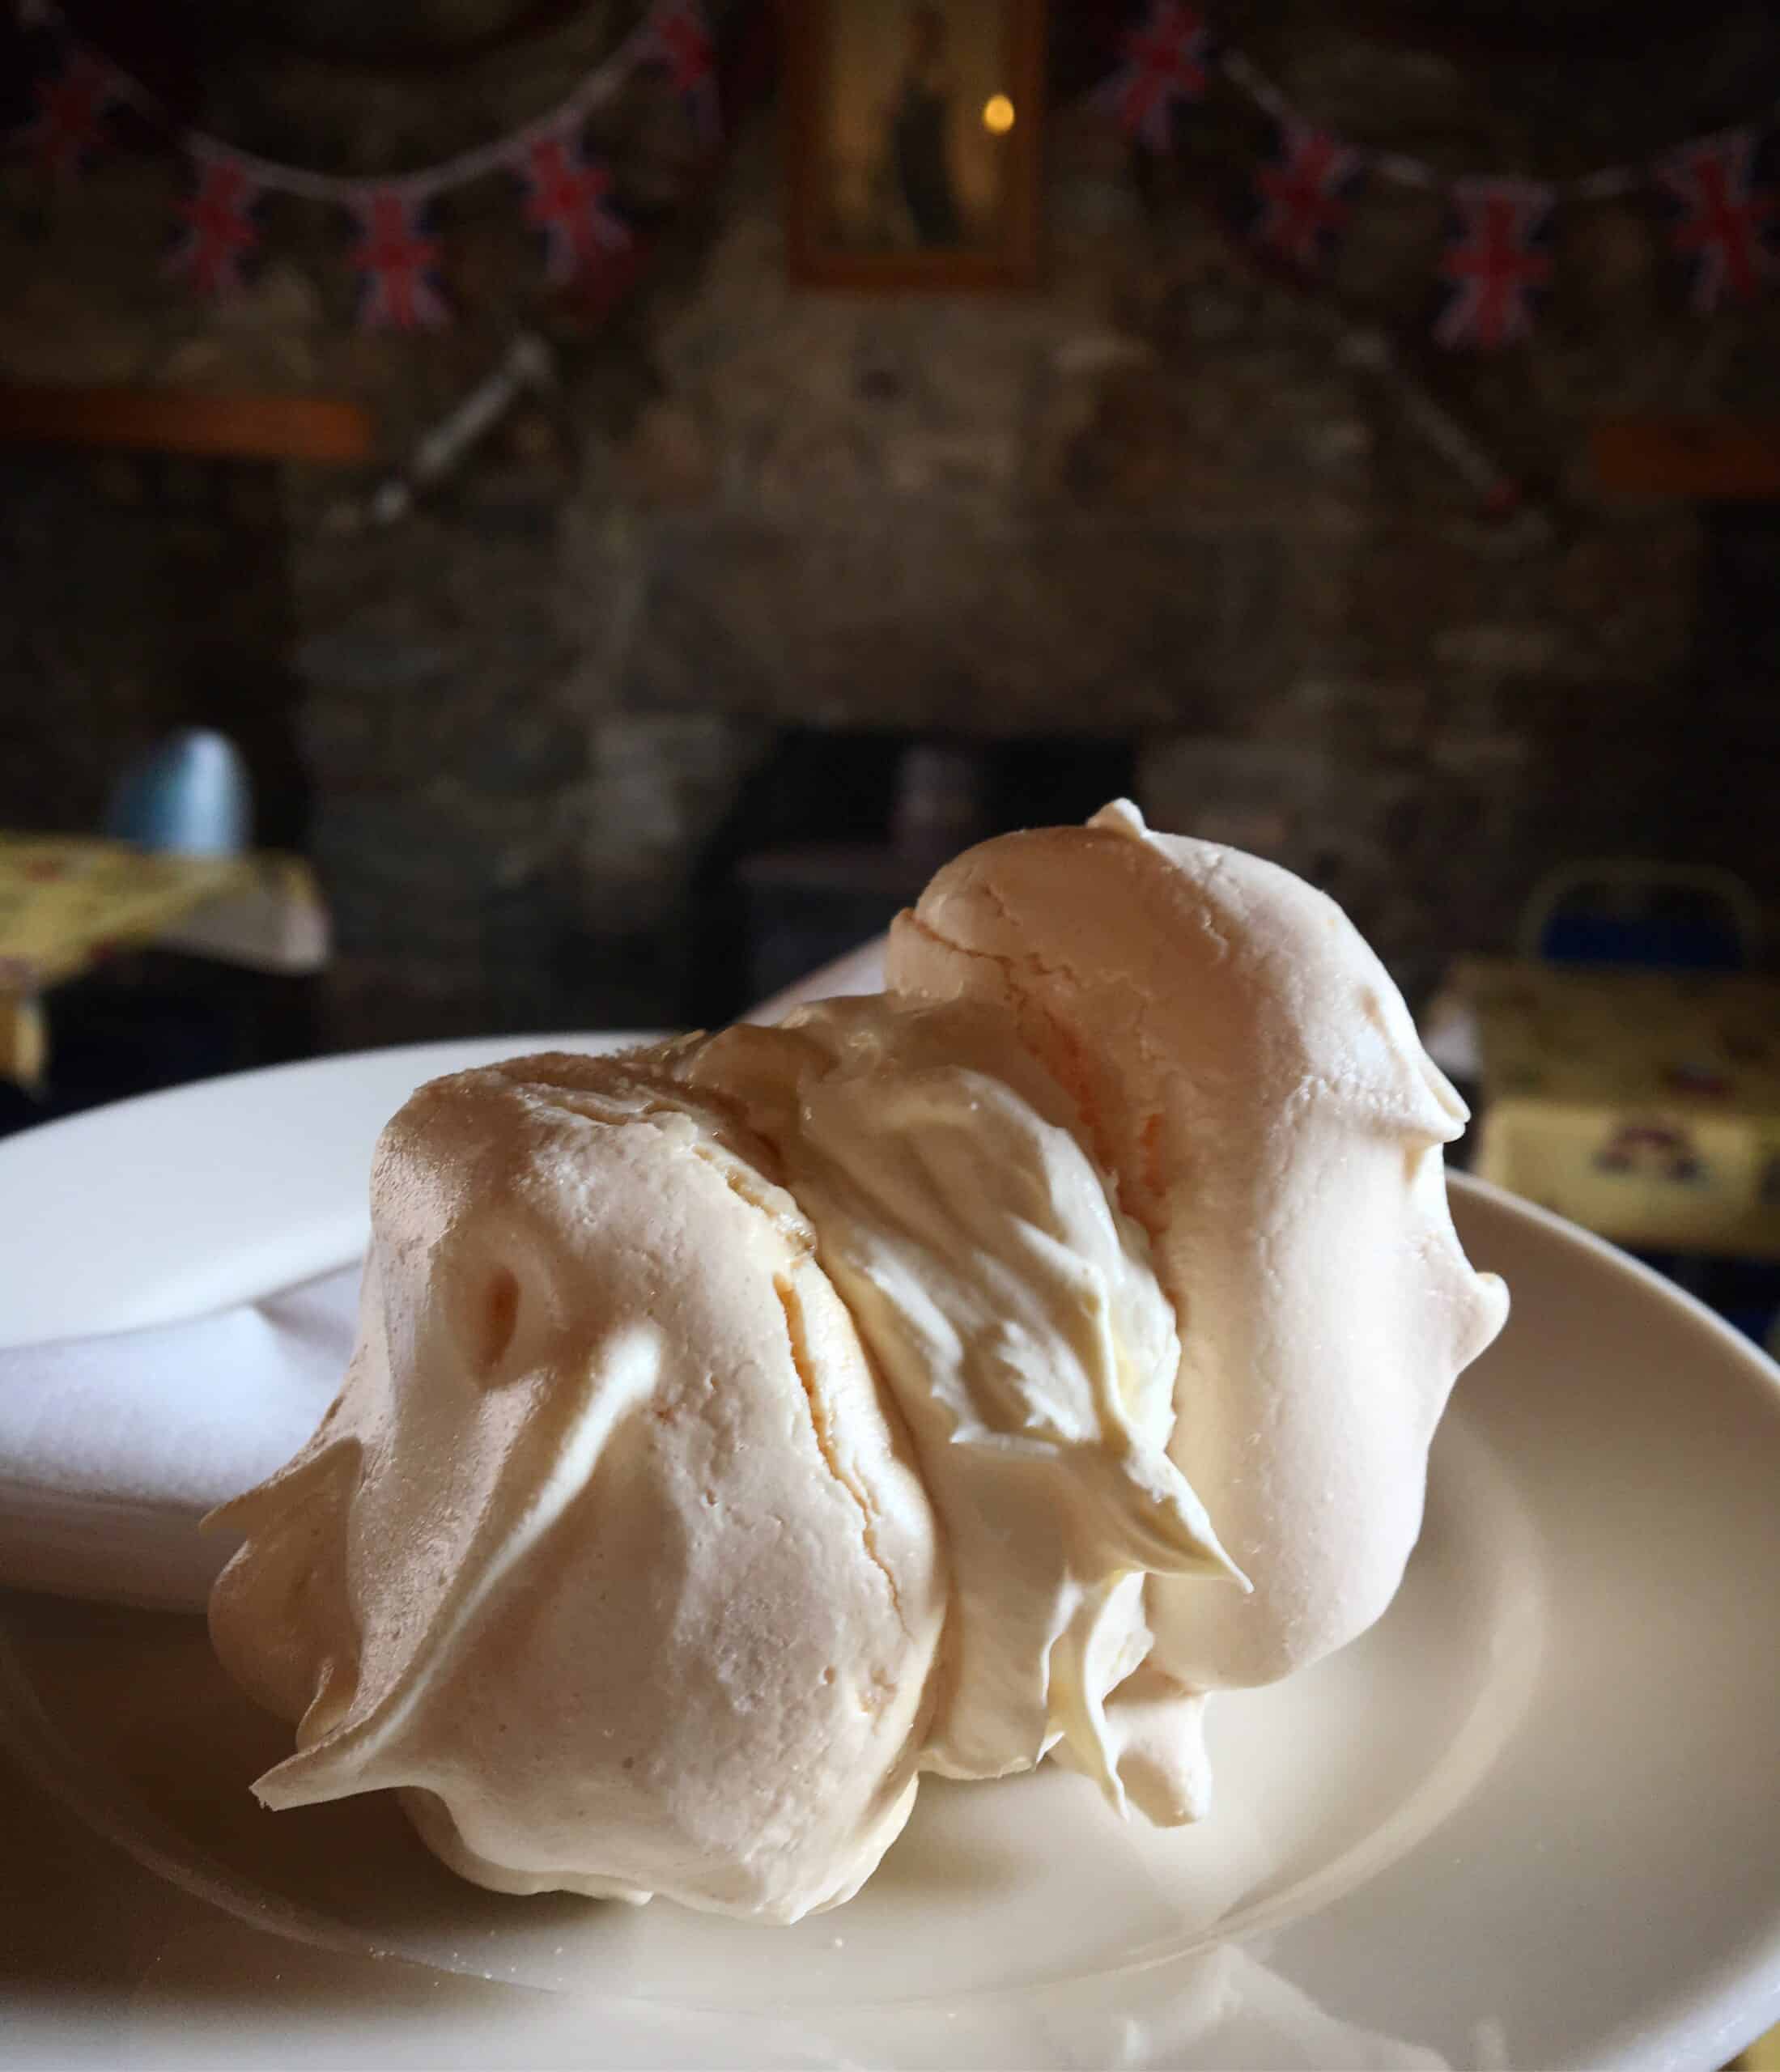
{"points": [[670, 633]]}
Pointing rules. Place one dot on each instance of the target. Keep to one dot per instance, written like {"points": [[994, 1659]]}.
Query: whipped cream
{"points": [[1013, 1312]]}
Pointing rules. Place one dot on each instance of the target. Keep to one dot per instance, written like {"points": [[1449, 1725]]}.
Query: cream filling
{"points": [[1012, 1311]]}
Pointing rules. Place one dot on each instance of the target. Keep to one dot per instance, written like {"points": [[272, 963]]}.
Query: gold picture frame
{"points": [[914, 134]]}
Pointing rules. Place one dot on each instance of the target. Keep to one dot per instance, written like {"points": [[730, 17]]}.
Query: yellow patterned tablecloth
{"points": [[64, 903], [1643, 1105]]}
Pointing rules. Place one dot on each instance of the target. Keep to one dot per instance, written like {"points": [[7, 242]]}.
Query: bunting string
{"points": [[395, 250], [1491, 270], [646, 45], [1493, 263]]}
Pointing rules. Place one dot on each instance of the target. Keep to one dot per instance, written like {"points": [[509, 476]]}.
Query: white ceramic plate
{"points": [[1532, 1819]]}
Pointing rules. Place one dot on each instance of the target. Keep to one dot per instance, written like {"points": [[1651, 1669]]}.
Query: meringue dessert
{"points": [[987, 1369]]}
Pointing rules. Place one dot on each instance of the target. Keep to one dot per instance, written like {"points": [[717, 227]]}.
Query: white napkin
{"points": [[113, 1448]]}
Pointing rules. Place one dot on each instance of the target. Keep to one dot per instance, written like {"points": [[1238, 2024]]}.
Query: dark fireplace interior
{"points": [[833, 833]]}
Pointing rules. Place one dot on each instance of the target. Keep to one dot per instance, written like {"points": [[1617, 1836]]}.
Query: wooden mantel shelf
{"points": [[1705, 459], [313, 428]]}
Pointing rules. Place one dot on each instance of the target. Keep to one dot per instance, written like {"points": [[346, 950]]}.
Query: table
{"points": [[1643, 1105], [66, 901]]}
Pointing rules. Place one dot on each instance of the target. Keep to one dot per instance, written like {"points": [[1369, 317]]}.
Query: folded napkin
{"points": [[113, 1448]]}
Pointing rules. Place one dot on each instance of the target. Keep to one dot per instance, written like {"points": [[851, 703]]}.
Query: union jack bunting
{"points": [[219, 229], [1167, 60], [1302, 196], [1495, 263], [73, 95], [568, 198], [1723, 204], [680, 38], [397, 259]]}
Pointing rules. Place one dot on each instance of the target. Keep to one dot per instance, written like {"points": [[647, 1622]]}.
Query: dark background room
{"points": [[621, 564]]}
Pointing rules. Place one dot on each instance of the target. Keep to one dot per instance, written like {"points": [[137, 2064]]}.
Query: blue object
{"points": [[1620, 910], [1667, 942], [189, 796]]}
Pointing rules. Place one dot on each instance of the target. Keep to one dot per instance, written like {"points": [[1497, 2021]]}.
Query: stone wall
{"points": [[1165, 499]]}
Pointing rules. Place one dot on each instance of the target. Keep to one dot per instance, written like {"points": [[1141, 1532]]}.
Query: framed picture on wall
{"points": [[913, 134]]}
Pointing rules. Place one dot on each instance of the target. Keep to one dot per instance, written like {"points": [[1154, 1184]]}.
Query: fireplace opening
{"points": [[833, 833]]}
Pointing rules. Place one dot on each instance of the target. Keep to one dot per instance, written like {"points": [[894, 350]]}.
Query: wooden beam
{"points": [[1704, 459], [312, 428]]}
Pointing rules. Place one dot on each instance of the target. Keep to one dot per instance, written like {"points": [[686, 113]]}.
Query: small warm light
{"points": [[998, 115]]}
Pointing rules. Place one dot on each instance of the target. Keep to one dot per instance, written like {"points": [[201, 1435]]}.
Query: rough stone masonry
{"points": [[1160, 499]]}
